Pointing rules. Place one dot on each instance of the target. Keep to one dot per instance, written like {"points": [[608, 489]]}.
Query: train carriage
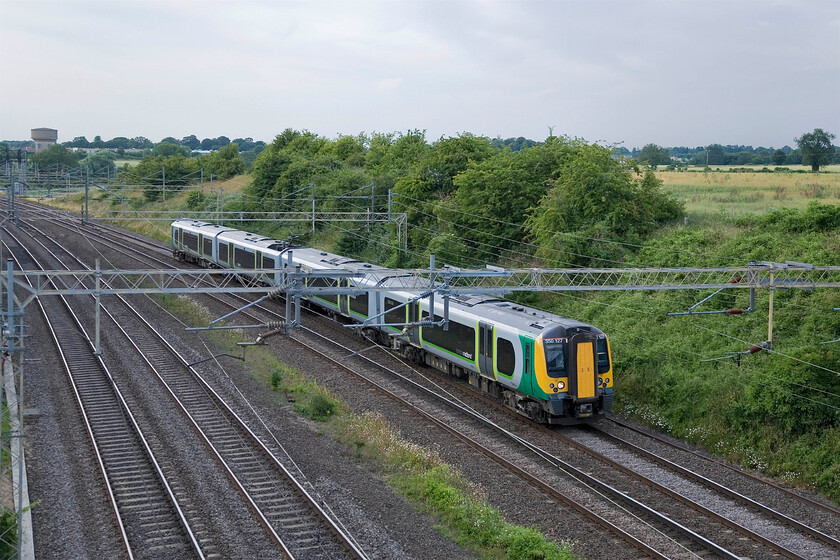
{"points": [[549, 368]]}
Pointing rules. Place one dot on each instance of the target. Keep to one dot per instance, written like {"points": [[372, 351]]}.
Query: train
{"points": [[551, 369]]}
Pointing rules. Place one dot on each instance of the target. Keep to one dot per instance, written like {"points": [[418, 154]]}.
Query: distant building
{"points": [[44, 138]]}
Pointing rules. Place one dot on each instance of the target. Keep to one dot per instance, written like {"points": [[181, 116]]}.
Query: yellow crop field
{"points": [[710, 194]]}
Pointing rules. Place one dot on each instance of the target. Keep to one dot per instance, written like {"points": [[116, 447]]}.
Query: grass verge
{"points": [[420, 475], [417, 473]]}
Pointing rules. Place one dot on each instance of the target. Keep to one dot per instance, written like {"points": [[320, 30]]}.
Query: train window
{"points": [[603, 355], [555, 359], [208, 246], [223, 252], [394, 315], [243, 258], [459, 339], [191, 241], [359, 303], [321, 282], [505, 357], [527, 357]]}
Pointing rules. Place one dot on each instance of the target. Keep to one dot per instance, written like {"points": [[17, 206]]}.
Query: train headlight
{"points": [[551, 385], [607, 380], [600, 381], [561, 385]]}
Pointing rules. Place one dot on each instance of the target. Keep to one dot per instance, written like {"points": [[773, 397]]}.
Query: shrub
{"points": [[319, 407]]}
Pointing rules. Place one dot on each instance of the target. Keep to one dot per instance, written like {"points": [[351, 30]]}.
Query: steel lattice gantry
{"points": [[446, 281]]}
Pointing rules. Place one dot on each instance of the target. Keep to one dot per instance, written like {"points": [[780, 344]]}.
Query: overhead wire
{"points": [[354, 232], [575, 235], [756, 372]]}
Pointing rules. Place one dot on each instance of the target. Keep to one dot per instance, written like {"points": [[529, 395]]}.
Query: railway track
{"points": [[147, 515], [682, 448], [683, 541], [295, 519], [682, 537]]}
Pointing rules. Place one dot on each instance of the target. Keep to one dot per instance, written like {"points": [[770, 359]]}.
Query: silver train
{"points": [[552, 369]]}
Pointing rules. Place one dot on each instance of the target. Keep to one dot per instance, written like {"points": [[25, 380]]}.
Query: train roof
{"points": [[254, 240], [200, 227], [494, 310], [242, 238], [525, 319], [317, 259]]}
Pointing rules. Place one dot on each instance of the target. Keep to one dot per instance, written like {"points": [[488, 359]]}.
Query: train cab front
{"points": [[573, 368]]}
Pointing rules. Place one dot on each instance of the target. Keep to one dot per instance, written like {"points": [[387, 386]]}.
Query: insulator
{"points": [[276, 293], [736, 280], [275, 324], [755, 349], [734, 311]]}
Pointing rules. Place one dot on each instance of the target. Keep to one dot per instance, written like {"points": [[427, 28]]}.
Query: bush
{"points": [[8, 534], [815, 218], [319, 407]]}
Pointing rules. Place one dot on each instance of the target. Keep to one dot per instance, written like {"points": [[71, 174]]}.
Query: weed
{"points": [[320, 407], [276, 379]]}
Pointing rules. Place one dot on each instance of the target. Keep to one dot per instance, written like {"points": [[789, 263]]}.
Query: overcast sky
{"points": [[669, 72]]}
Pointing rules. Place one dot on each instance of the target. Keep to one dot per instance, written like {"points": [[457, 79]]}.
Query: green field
{"points": [[710, 195]]}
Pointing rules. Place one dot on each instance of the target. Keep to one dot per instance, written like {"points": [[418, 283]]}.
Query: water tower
{"points": [[44, 138]]}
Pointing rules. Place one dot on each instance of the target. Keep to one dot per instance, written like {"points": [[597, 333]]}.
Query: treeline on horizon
{"points": [[652, 154]]}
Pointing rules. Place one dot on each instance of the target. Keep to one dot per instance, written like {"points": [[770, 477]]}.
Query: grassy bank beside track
{"points": [[417, 473]]}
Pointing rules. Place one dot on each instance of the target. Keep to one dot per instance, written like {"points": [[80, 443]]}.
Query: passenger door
{"points": [[414, 317], [344, 300], [486, 333]]}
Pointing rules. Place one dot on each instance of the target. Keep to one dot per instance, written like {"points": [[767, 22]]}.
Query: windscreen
{"points": [[555, 357], [603, 355]]}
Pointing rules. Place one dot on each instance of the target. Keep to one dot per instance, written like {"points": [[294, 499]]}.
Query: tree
{"points": [[167, 149], [118, 142], [779, 157], [654, 155], [177, 170], [80, 142], [716, 155], [816, 148], [224, 163], [596, 198], [56, 155], [140, 142], [100, 162], [191, 142]]}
